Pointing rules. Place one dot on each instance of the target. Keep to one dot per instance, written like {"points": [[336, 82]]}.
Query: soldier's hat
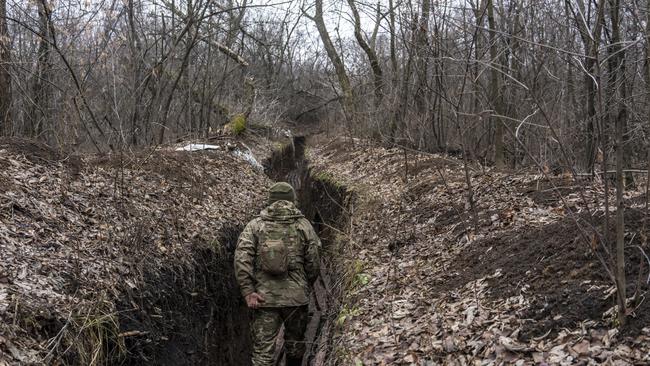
{"points": [[282, 191]]}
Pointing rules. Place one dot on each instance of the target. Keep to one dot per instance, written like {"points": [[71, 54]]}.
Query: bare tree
{"points": [[375, 66], [496, 96], [618, 85], [5, 78], [591, 41], [335, 59], [139, 72], [39, 110]]}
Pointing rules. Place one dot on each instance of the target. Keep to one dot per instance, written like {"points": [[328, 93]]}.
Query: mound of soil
{"points": [[554, 263], [126, 262], [34, 151], [547, 193], [428, 165]]}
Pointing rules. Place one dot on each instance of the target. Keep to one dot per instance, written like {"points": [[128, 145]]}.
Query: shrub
{"points": [[238, 124]]}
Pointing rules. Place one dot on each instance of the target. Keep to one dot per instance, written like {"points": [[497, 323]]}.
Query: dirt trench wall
{"points": [[321, 199], [198, 315], [133, 263]]}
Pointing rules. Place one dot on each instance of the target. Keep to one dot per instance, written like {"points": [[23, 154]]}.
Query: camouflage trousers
{"points": [[266, 326]]}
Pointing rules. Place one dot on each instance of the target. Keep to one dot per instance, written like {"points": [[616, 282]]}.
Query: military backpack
{"points": [[276, 241]]}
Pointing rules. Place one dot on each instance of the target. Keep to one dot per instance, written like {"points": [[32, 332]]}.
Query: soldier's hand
{"points": [[254, 300]]}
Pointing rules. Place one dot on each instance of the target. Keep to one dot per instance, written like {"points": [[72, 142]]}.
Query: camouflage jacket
{"points": [[303, 254]]}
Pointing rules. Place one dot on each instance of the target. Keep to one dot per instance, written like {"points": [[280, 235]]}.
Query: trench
{"points": [[199, 317], [324, 204]]}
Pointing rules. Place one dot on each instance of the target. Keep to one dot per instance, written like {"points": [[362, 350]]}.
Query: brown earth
{"points": [[547, 193], [39, 153], [128, 259], [523, 288], [557, 265], [34, 151]]}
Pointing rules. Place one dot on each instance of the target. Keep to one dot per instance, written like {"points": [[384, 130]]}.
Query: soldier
{"points": [[276, 262]]}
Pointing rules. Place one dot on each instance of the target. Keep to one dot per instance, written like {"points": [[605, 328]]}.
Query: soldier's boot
{"points": [[294, 361]]}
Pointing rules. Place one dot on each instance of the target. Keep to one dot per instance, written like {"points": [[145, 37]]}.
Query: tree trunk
{"points": [[495, 93], [618, 94], [421, 52], [39, 109], [136, 66], [393, 52], [5, 79], [620, 219], [479, 17], [647, 72], [339, 67], [591, 65], [370, 53]]}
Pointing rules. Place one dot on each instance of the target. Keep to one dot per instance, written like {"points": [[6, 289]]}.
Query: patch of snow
{"points": [[249, 157], [198, 147]]}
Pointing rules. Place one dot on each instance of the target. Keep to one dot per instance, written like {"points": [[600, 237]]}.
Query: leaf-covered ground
{"points": [[527, 289], [78, 236], [85, 241]]}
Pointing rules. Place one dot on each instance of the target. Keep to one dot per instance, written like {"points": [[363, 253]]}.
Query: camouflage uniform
{"points": [[286, 296]]}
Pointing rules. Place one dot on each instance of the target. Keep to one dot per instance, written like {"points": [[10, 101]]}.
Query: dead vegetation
{"points": [[525, 289], [126, 259], [108, 260]]}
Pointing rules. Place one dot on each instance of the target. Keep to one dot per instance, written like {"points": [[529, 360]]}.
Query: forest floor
{"points": [[426, 288], [107, 259], [128, 258]]}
